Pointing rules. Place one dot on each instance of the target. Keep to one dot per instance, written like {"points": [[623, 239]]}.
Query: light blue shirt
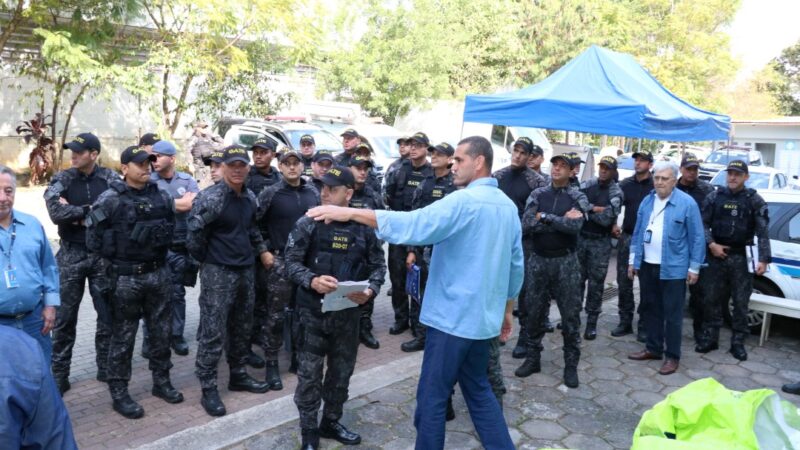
{"points": [[477, 262], [683, 243], [34, 266]]}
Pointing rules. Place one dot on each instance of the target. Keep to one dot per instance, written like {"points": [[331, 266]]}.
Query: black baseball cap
{"points": [[689, 160], [217, 156], [364, 146], [322, 155], [403, 139], [421, 137], [233, 153], [526, 143], [358, 160], [339, 176], [566, 157], [149, 139], [576, 159], [538, 151], [646, 155], [350, 132], [289, 153], [307, 138], [263, 143], [443, 148], [738, 165], [84, 142], [135, 154], [609, 161]]}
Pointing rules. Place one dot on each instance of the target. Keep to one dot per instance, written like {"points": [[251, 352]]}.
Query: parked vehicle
{"points": [[382, 138], [285, 131], [760, 178], [720, 158]]}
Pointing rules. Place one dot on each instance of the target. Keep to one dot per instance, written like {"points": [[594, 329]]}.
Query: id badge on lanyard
{"points": [[10, 273]]}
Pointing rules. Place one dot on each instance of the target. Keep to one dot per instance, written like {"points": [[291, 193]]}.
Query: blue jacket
{"points": [[683, 245]]}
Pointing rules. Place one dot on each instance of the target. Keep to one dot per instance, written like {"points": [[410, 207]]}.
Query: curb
{"points": [[235, 428]]}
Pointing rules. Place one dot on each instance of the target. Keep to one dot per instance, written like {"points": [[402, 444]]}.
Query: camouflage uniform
{"points": [[398, 194], [183, 270], [227, 293], [594, 243], [533, 180], [554, 266], [257, 182], [76, 264], [367, 198], [279, 292], [698, 191], [133, 229], [733, 219], [496, 371], [428, 192], [201, 147], [315, 249]]}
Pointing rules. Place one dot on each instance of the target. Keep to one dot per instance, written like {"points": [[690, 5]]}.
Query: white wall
{"points": [[785, 137]]}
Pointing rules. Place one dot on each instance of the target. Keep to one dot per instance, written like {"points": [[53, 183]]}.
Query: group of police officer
{"points": [[264, 267]]}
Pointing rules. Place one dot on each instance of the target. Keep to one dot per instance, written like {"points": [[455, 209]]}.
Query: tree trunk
{"points": [[12, 24], [181, 106], [165, 99], [59, 88], [68, 119]]}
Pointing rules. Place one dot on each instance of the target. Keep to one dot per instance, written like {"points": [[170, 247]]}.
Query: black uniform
{"points": [[133, 229], [307, 171], [399, 192], [366, 198], [257, 180], [634, 192], [554, 267], [224, 237], [346, 251], [698, 191], [279, 207], [594, 243], [733, 219], [76, 264], [518, 184]]}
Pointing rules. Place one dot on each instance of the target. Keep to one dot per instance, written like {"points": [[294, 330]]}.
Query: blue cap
{"points": [[164, 148]]}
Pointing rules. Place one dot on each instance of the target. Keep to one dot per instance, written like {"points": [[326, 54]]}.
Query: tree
{"points": [[784, 85], [199, 40]]}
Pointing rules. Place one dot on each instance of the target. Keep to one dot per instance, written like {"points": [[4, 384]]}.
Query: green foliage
{"points": [[784, 84]]}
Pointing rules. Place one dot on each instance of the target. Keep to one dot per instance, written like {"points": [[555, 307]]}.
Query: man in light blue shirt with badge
{"points": [[29, 292], [476, 273]]}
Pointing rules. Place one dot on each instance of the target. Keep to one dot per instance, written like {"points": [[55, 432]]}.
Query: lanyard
{"points": [[11, 244], [655, 216]]}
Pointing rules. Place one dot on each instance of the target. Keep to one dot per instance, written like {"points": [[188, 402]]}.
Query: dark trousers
{"points": [[178, 264], [397, 275], [137, 296], [697, 300], [625, 285], [75, 266], [415, 306], [226, 319], [449, 359], [281, 291], [593, 253], [728, 279], [664, 320]]}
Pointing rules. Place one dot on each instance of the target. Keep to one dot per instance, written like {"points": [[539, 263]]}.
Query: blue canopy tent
{"points": [[602, 92]]}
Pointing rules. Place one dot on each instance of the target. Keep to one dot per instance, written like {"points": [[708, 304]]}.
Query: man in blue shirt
{"points": [[29, 282], [476, 272], [32, 414]]}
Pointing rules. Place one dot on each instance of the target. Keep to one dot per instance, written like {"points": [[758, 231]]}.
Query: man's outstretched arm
{"points": [[331, 213]]}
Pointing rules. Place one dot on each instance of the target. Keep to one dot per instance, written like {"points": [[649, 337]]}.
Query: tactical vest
{"points": [[141, 226], [82, 190], [734, 218], [437, 189], [363, 199], [408, 178], [256, 181], [556, 202], [597, 195], [339, 250], [307, 167]]}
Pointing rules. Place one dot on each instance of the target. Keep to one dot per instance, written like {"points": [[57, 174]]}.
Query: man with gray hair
{"points": [[667, 249]]}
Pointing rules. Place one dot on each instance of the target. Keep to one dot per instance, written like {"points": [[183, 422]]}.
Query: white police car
{"points": [[782, 278]]}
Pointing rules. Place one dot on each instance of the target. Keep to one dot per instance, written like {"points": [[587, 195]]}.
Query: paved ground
{"points": [[541, 412]]}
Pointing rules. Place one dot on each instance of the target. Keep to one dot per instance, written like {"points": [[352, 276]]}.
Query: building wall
{"points": [[785, 137]]}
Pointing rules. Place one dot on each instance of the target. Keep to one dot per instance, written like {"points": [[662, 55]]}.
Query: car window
{"points": [[498, 135], [323, 140], [241, 137], [725, 157], [385, 145], [758, 180], [794, 228], [781, 181], [625, 162]]}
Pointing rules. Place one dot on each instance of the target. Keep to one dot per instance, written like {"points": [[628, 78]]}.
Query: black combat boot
{"points": [[62, 383], [255, 361], [102, 375], [273, 378], [179, 345], [163, 389], [571, 377], [738, 351], [212, 403], [122, 401], [398, 328], [641, 334], [331, 429], [310, 440], [293, 364], [622, 329], [709, 341], [145, 349], [451, 413], [242, 381], [793, 388], [591, 328], [414, 345], [366, 338], [531, 365], [521, 349]]}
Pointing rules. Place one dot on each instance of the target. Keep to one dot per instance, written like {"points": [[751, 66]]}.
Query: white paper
{"points": [[337, 300], [752, 255]]}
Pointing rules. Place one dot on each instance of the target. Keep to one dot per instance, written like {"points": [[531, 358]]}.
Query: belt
{"points": [[178, 248], [75, 245], [137, 269], [590, 235], [554, 253], [737, 251], [16, 316]]}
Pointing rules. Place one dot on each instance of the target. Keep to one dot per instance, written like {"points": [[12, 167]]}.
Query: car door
{"points": [[785, 245], [245, 135]]}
